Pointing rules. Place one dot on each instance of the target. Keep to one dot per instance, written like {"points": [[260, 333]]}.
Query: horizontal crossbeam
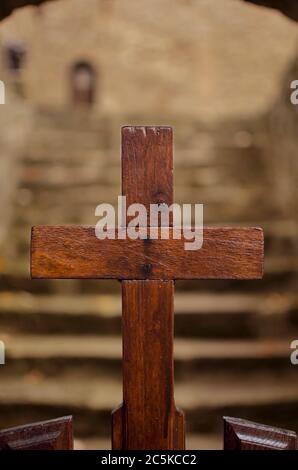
{"points": [[68, 252]]}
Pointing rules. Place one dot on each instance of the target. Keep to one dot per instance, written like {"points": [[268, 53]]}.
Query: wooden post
{"points": [[148, 418]]}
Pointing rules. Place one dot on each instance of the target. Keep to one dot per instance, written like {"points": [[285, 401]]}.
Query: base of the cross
{"points": [[170, 438], [148, 418]]}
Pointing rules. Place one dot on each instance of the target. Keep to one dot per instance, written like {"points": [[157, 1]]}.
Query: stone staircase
{"points": [[63, 338]]}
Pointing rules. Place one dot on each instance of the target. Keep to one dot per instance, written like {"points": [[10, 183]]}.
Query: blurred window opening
{"points": [[15, 56], [83, 80]]}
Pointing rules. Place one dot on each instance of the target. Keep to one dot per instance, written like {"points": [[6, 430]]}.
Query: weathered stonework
{"points": [[220, 77], [15, 125], [288, 7], [195, 60]]}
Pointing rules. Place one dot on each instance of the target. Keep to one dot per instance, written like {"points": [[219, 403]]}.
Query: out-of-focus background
{"points": [[220, 74]]}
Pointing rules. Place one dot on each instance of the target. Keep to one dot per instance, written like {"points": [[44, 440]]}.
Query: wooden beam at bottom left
{"points": [[55, 434]]}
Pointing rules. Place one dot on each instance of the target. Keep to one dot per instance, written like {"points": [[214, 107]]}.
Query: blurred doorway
{"points": [[15, 55], [83, 84]]}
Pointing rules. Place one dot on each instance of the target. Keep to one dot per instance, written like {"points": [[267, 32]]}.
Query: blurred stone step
{"points": [[54, 136], [15, 277], [187, 161], [193, 442], [43, 157], [63, 198], [57, 176], [93, 165], [63, 183], [74, 197], [33, 203], [279, 264], [272, 400], [34, 210], [80, 212], [94, 355], [280, 237], [220, 195], [280, 274], [70, 119], [26, 218], [248, 159], [203, 314], [92, 443], [204, 441], [216, 173]]}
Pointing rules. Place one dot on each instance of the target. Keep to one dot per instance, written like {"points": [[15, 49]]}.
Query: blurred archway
{"points": [[83, 83]]}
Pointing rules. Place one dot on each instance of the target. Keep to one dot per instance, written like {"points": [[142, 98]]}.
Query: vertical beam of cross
{"points": [[148, 418]]}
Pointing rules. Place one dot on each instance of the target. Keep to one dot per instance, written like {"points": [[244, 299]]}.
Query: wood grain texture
{"points": [[75, 252], [147, 165], [240, 434], [148, 418], [55, 434], [288, 7]]}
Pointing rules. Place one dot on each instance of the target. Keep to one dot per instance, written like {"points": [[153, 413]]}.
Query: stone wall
{"points": [[288, 7], [8, 6], [15, 126], [282, 122], [216, 75], [196, 60]]}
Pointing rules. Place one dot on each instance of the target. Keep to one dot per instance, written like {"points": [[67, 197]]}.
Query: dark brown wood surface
{"points": [[240, 434], [150, 419], [75, 252], [288, 7], [55, 434], [147, 165]]}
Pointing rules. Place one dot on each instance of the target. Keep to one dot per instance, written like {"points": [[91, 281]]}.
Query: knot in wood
{"points": [[147, 269]]}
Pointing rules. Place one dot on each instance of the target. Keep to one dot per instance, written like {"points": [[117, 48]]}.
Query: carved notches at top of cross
{"points": [[147, 165]]}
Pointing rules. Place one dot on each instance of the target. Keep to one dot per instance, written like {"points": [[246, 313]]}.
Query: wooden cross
{"points": [[148, 417]]}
